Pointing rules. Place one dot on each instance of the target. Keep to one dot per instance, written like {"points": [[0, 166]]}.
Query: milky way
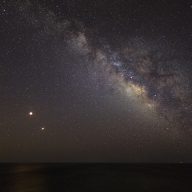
{"points": [[93, 83], [148, 74]]}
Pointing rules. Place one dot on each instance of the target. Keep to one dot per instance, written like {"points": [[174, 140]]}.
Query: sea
{"points": [[119, 177]]}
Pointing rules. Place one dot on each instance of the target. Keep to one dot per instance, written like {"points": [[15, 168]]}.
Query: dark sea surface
{"points": [[95, 177]]}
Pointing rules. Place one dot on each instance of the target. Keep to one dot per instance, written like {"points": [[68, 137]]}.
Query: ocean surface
{"points": [[95, 177]]}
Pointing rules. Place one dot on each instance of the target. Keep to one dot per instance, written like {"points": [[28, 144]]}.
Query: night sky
{"points": [[96, 80]]}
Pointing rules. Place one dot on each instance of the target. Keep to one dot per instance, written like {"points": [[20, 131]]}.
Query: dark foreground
{"points": [[95, 177]]}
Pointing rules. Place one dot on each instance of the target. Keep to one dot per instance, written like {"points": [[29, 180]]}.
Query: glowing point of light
{"points": [[30, 113], [42, 128]]}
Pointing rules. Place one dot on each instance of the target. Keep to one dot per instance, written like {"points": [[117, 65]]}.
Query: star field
{"points": [[95, 81]]}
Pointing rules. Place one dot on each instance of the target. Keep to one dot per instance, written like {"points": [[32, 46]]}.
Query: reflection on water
{"points": [[93, 177], [23, 178]]}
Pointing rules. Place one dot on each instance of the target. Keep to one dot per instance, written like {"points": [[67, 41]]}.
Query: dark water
{"points": [[94, 177]]}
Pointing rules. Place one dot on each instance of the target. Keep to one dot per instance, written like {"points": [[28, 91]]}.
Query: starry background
{"points": [[104, 80]]}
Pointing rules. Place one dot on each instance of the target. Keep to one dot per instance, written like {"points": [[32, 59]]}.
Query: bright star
{"points": [[30, 113]]}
